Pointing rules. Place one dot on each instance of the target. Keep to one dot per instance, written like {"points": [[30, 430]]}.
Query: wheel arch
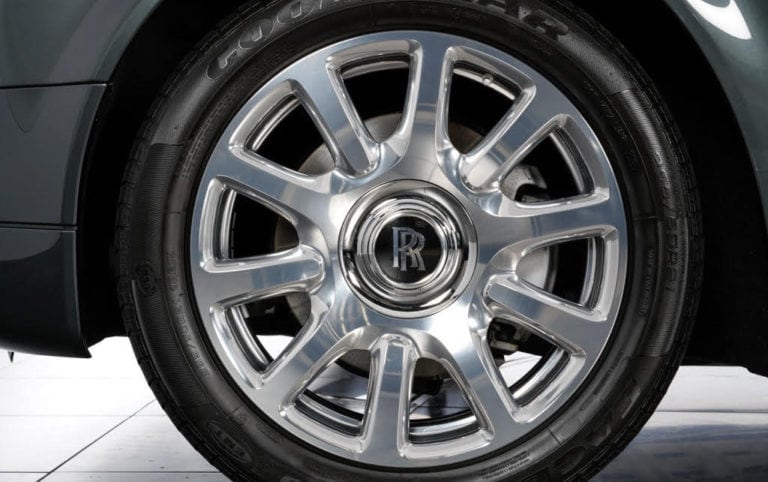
{"points": [[166, 36], [729, 328]]}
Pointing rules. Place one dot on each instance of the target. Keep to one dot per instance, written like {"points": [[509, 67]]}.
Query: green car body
{"points": [[76, 77]]}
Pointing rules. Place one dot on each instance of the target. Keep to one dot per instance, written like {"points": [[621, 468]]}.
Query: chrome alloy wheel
{"points": [[413, 259]]}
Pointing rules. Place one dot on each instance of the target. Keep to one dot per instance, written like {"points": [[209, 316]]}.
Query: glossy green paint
{"points": [[741, 65], [49, 42], [43, 140]]}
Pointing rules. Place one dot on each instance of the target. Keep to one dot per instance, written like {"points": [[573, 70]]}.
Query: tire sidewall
{"points": [[215, 82]]}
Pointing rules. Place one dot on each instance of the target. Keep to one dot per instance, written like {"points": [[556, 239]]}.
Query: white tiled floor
{"points": [[133, 447], [68, 420]]}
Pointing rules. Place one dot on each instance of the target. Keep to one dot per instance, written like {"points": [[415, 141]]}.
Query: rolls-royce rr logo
{"points": [[407, 244]]}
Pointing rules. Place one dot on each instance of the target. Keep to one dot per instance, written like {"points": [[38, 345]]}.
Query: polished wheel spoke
{"points": [[314, 348], [425, 117], [580, 330], [532, 117], [524, 227], [325, 97], [386, 421], [226, 283], [285, 190], [476, 373], [571, 218]]}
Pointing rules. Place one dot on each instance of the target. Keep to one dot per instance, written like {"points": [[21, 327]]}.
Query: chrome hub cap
{"points": [[407, 247], [418, 284]]}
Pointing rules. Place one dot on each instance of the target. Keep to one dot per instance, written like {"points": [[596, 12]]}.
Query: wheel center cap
{"points": [[406, 248]]}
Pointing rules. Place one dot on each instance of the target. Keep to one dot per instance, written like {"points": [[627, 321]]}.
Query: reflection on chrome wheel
{"points": [[408, 249]]}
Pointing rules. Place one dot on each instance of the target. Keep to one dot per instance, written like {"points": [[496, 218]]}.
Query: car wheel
{"points": [[439, 240]]}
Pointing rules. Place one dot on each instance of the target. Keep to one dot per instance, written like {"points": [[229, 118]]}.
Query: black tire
{"points": [[557, 39]]}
